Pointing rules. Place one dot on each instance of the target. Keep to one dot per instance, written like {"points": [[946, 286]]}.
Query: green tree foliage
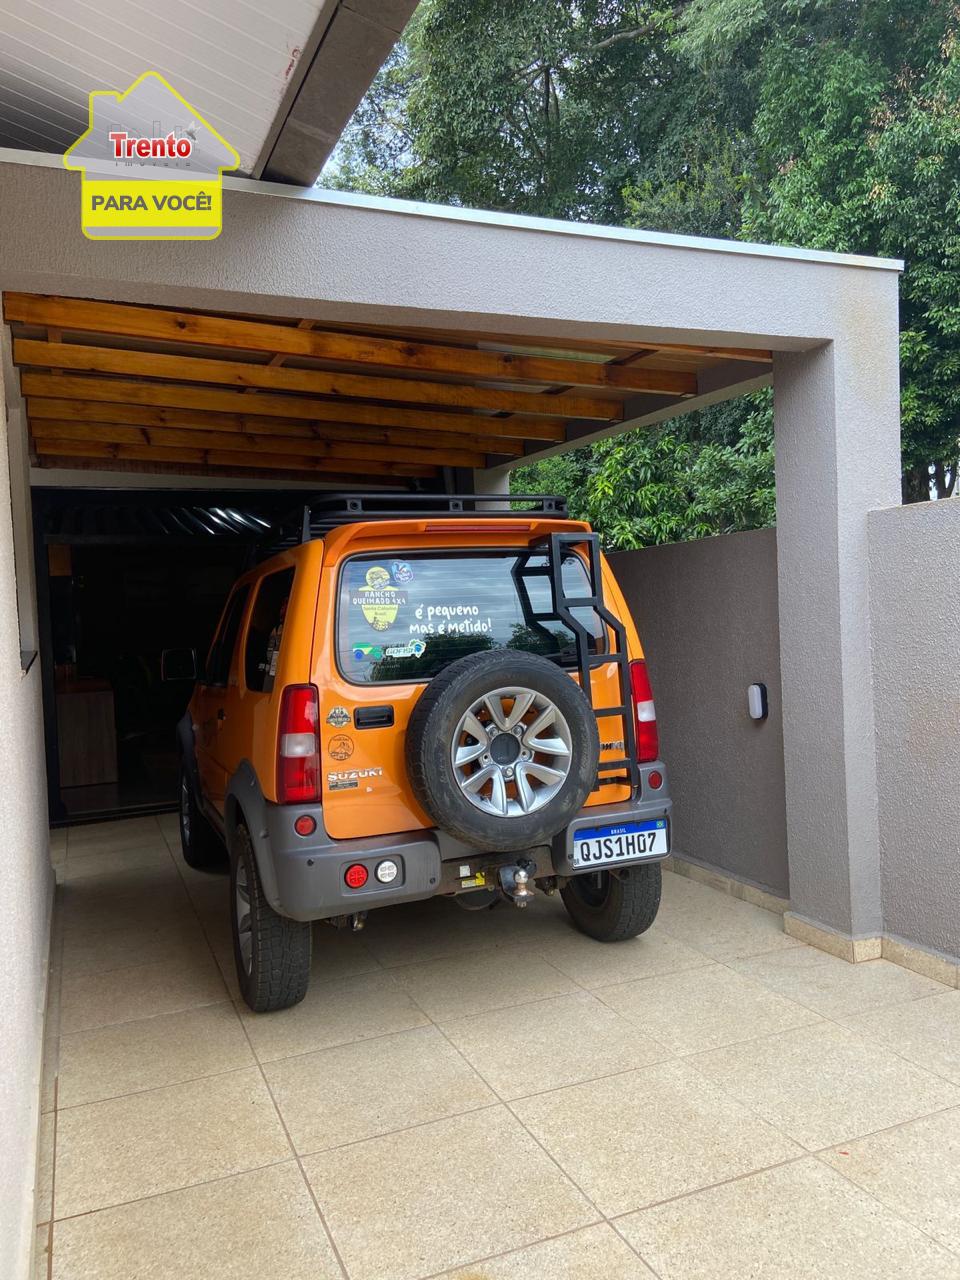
{"points": [[693, 477], [547, 107], [857, 148], [813, 122]]}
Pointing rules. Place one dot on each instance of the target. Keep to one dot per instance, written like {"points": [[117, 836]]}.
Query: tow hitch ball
{"points": [[515, 882]]}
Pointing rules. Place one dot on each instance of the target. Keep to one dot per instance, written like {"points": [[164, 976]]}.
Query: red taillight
{"points": [[298, 752], [305, 825], [654, 779], [356, 875], [645, 713]]}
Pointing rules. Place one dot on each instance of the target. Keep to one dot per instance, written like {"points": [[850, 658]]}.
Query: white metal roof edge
{"points": [[520, 222]]}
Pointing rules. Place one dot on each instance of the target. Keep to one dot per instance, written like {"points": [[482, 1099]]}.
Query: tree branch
{"points": [[634, 33]]}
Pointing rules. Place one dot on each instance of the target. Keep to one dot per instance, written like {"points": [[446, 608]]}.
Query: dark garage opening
{"points": [[123, 576]]}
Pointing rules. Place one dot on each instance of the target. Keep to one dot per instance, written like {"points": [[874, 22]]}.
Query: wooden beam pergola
{"points": [[129, 385]]}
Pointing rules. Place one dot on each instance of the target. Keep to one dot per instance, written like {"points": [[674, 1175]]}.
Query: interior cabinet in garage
{"points": [[87, 733]]}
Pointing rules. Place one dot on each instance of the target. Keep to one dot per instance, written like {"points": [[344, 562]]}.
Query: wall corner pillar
{"points": [[837, 430]]}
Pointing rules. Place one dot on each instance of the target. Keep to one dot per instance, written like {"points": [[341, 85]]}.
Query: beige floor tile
{"points": [[45, 1154], [41, 1252], [409, 1204], [834, 987], [331, 1014], [914, 1170], [121, 948], [169, 824], [262, 1224], [720, 926], [480, 980], [823, 1084], [104, 835], [798, 1221], [542, 919], [129, 1057], [150, 898], [126, 1148], [926, 1031], [358, 1091], [438, 928], [98, 999], [340, 953], [703, 1009], [564, 1040], [101, 862], [595, 1253], [208, 893], [215, 924], [638, 1138], [595, 964], [50, 1070]]}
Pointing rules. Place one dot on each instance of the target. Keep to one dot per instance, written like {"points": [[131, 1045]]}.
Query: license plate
{"points": [[596, 846]]}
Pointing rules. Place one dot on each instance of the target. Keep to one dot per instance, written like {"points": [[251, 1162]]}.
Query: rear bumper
{"points": [[310, 871]]}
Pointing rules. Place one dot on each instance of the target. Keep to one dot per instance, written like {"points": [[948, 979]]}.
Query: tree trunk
{"points": [[944, 478], [915, 484]]}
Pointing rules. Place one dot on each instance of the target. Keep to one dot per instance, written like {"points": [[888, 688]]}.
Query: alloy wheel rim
{"points": [[511, 752], [241, 907], [185, 810]]}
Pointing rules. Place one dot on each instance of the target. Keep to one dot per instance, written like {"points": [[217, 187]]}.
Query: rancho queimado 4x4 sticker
{"points": [[379, 600]]}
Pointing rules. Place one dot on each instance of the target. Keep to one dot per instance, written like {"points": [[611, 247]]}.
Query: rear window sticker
{"points": [[412, 649], [379, 600], [450, 619], [341, 746], [402, 572], [338, 717], [367, 652]]}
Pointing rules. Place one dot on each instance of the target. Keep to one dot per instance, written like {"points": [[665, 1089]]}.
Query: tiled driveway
{"points": [[487, 1096]]}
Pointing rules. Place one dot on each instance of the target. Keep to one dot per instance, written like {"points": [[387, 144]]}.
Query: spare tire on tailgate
{"points": [[502, 750]]}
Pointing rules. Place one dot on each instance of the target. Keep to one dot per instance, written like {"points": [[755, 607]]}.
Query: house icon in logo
{"points": [[151, 166]]}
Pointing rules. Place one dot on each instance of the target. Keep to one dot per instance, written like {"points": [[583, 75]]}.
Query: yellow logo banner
{"points": [[151, 167]]}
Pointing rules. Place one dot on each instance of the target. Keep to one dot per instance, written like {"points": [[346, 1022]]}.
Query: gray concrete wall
{"points": [[837, 440], [26, 887], [707, 616], [335, 257], [915, 617]]}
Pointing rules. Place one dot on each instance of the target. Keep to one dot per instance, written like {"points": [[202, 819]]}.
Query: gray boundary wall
{"points": [[915, 624], [708, 620], [27, 892]]}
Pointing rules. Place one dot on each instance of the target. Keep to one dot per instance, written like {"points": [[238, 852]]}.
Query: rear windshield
{"points": [[406, 619]]}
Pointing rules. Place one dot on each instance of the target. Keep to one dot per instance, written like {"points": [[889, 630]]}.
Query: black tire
{"points": [[203, 850], [613, 906], [433, 726], [277, 973]]}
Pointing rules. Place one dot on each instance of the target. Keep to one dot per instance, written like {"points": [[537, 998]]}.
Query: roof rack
{"points": [[322, 514]]}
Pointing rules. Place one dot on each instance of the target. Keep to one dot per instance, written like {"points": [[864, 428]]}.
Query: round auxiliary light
{"points": [[387, 871], [305, 825], [655, 779], [356, 876]]}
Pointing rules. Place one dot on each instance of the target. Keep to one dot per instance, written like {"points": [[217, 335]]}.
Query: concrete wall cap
{"points": [[520, 222]]}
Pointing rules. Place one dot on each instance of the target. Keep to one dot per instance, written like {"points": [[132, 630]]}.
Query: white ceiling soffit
{"points": [[244, 65]]}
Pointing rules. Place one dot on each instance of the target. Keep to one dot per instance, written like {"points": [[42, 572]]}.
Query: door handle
{"points": [[221, 715]]}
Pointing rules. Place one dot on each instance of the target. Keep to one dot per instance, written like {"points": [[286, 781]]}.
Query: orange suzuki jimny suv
{"points": [[416, 695]]}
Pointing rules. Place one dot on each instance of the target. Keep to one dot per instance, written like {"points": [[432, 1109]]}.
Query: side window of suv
{"points": [[225, 641], [266, 630]]}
